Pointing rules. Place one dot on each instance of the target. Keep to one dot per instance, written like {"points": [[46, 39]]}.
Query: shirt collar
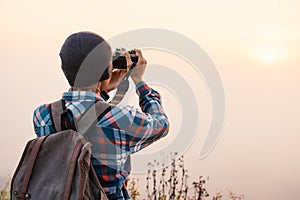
{"points": [[81, 96]]}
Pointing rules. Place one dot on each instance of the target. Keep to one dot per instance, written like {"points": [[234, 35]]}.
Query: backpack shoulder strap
{"points": [[91, 117], [29, 170], [56, 109]]}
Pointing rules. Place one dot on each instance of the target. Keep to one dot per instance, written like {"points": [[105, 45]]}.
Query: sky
{"points": [[254, 45]]}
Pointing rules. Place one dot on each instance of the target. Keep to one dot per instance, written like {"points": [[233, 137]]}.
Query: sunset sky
{"points": [[255, 46]]}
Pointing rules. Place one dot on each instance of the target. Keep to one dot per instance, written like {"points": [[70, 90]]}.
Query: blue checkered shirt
{"points": [[121, 132]]}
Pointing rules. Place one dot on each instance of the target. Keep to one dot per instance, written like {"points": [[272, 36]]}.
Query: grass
{"points": [[5, 192], [172, 183]]}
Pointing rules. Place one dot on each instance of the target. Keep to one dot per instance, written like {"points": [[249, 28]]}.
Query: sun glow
{"points": [[270, 54]]}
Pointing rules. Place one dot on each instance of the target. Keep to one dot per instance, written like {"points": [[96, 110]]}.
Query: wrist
{"points": [[137, 80]]}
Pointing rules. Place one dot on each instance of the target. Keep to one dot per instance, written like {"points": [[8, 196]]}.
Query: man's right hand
{"points": [[139, 70]]}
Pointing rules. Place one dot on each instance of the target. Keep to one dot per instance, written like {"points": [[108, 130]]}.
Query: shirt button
{"points": [[42, 123]]}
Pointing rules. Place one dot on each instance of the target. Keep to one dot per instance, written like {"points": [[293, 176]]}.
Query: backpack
{"points": [[58, 166]]}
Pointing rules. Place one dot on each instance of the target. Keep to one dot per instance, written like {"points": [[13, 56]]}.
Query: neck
{"points": [[93, 88]]}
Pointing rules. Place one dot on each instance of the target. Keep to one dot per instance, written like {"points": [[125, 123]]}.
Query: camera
{"points": [[119, 60]]}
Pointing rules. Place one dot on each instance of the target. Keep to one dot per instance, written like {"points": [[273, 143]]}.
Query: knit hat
{"points": [[85, 58]]}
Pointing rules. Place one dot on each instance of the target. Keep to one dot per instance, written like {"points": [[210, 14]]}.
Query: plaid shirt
{"points": [[122, 131]]}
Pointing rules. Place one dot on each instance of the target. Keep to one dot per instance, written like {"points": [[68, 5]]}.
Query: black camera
{"points": [[119, 60]]}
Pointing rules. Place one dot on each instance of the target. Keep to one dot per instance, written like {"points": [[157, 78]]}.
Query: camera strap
{"points": [[123, 87]]}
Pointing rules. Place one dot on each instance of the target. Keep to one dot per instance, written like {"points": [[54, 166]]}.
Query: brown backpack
{"points": [[58, 166]]}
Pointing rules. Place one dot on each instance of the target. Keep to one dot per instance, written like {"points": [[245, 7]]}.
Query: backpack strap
{"points": [[31, 161], [92, 116], [89, 118], [56, 109]]}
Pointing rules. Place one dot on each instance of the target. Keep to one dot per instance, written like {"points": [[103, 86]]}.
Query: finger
{"points": [[139, 52], [141, 59], [126, 54], [121, 75], [128, 60], [116, 71]]}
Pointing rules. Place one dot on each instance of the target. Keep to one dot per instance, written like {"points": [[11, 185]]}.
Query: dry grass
{"points": [[5, 192], [172, 183]]}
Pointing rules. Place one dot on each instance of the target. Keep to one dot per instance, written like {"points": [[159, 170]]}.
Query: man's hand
{"points": [[138, 72], [115, 80], [118, 74]]}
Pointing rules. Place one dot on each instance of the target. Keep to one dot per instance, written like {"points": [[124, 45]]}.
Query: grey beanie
{"points": [[85, 58]]}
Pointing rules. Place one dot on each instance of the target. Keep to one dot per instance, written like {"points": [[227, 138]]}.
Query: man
{"points": [[87, 64]]}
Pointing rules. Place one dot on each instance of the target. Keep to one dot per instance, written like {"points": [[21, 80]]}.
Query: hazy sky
{"points": [[254, 44]]}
